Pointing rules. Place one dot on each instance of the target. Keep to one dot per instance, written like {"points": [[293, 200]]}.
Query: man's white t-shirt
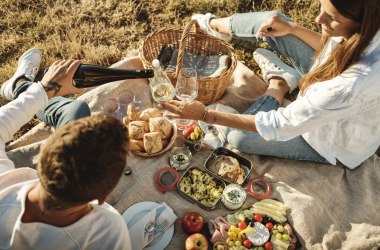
{"points": [[102, 228]]}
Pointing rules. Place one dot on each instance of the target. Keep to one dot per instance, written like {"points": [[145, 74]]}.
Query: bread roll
{"points": [[152, 142], [132, 112], [159, 124], [136, 145], [149, 113], [137, 129]]}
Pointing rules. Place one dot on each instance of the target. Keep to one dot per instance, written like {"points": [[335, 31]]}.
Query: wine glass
{"points": [[110, 107], [186, 90], [126, 98], [161, 87]]}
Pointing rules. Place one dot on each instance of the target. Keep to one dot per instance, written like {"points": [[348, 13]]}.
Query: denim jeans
{"points": [[59, 110], [251, 142], [244, 27]]}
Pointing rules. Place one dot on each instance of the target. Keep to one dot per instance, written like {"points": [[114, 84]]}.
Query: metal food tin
{"points": [[245, 164], [187, 191]]}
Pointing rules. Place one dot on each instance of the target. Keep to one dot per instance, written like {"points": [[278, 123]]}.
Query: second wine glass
{"points": [[186, 90]]}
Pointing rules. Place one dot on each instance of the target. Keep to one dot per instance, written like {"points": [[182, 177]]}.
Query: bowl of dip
{"points": [[233, 196]]}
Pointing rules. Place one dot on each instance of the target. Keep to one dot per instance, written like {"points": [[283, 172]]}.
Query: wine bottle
{"points": [[92, 75], [161, 87]]}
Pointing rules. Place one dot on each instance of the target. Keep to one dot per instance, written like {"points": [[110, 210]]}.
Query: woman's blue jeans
{"points": [[244, 27], [59, 110]]}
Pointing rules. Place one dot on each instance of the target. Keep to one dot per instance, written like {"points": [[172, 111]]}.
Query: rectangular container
{"points": [[198, 186], [245, 164]]}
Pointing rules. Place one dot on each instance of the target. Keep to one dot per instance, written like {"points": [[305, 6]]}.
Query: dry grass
{"points": [[102, 32]]}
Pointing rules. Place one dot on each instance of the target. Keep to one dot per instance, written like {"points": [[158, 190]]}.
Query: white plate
{"points": [[136, 212]]}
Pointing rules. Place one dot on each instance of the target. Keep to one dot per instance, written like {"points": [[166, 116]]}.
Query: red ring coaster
{"points": [[262, 182], [166, 179]]}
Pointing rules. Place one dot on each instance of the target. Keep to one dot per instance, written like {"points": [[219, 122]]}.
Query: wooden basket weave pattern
{"points": [[210, 89]]}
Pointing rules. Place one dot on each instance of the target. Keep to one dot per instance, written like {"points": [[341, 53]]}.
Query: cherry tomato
{"points": [[258, 218], [268, 246], [189, 130], [247, 243], [269, 226], [242, 225]]}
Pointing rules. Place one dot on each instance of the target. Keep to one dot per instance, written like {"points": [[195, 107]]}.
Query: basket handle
{"points": [[182, 43]]}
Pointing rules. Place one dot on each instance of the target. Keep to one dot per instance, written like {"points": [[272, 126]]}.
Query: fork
{"points": [[160, 227]]}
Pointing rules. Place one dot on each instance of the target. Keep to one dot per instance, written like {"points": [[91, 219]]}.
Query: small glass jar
{"points": [[180, 158], [233, 196], [195, 145]]}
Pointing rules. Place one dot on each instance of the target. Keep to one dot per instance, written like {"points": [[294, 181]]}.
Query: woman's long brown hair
{"points": [[349, 51]]}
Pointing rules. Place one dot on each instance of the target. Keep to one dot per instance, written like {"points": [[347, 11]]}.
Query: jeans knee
{"points": [[272, 13], [79, 109]]}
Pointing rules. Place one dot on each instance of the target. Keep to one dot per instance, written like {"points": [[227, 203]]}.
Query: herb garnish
{"points": [[234, 195]]}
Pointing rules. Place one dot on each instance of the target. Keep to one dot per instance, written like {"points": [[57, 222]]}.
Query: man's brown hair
{"points": [[82, 161]]}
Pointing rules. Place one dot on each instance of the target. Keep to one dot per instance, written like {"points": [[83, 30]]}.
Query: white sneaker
{"points": [[28, 66], [272, 66], [204, 21]]}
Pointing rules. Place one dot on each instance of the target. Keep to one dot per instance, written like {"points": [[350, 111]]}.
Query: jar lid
{"points": [[262, 184], [166, 179]]}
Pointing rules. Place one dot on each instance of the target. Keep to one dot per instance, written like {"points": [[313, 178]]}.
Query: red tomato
{"points": [[242, 225], [258, 217], [268, 246], [247, 243], [189, 130], [269, 226]]}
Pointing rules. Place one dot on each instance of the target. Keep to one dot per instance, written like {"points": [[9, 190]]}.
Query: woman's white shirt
{"points": [[340, 117]]}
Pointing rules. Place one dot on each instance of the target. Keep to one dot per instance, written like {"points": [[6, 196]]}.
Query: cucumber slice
{"points": [[239, 215], [232, 220], [248, 213]]}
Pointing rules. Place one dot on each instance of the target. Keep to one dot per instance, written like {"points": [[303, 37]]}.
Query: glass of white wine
{"points": [[161, 87], [186, 90]]}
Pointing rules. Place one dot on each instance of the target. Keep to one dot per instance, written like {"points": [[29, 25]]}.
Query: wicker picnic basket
{"points": [[210, 89]]}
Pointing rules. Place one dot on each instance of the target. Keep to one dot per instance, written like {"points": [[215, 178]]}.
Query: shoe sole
{"points": [[270, 56], [5, 85]]}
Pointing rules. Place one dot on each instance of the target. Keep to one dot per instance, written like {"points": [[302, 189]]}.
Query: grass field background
{"points": [[102, 32]]}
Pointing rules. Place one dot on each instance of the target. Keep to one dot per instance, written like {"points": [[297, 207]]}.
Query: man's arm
{"points": [[56, 82], [15, 114]]}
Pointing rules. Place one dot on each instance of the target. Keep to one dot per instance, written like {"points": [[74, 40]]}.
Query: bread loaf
{"points": [[137, 129], [159, 124], [150, 113], [136, 145], [152, 142]]}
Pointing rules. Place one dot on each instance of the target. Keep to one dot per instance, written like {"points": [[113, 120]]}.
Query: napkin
{"points": [[217, 140], [205, 66], [139, 238]]}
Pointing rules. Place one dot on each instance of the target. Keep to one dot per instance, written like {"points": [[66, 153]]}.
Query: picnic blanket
{"points": [[330, 207]]}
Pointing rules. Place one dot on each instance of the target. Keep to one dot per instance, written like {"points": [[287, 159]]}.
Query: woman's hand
{"points": [[58, 80], [194, 110], [275, 26]]}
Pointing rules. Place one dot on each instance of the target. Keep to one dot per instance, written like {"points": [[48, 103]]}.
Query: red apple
{"points": [[196, 242], [192, 223]]}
